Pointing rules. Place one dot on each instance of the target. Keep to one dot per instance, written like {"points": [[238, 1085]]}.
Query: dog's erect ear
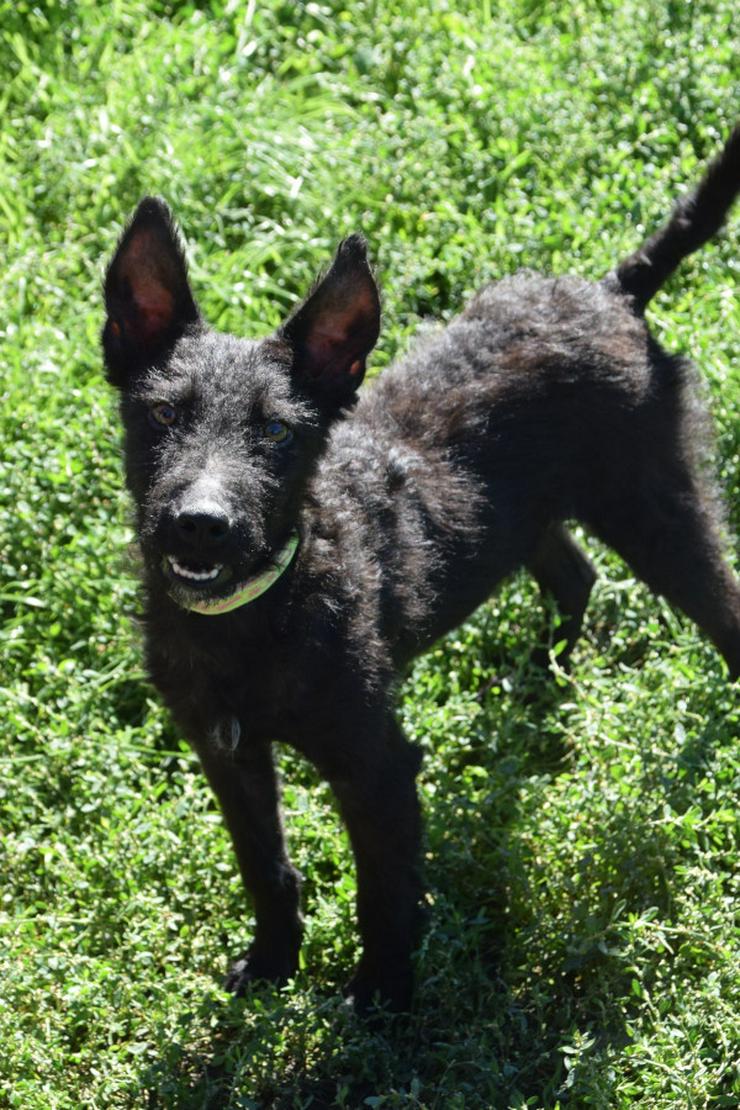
{"points": [[147, 295], [336, 327]]}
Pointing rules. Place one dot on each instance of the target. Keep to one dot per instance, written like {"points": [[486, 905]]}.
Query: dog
{"points": [[302, 543]]}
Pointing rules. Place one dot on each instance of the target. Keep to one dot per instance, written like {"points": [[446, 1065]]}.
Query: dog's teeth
{"points": [[195, 575]]}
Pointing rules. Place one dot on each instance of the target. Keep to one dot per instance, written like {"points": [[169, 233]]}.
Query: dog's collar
{"points": [[249, 590]]}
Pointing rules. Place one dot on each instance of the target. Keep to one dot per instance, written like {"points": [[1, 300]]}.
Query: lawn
{"points": [[581, 848]]}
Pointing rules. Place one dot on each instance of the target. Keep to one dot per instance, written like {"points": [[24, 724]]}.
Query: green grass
{"points": [[582, 843]]}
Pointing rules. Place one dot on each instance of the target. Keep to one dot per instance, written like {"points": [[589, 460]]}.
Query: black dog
{"points": [[299, 552]]}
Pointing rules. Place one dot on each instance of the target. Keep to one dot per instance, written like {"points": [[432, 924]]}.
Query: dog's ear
{"points": [[336, 327], [147, 295]]}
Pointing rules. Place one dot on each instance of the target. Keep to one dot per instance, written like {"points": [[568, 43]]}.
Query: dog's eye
{"points": [[163, 414], [277, 432]]}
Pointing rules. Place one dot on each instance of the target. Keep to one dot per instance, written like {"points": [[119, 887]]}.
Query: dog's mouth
{"points": [[213, 588], [195, 575]]}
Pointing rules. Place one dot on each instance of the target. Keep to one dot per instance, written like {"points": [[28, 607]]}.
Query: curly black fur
{"points": [[545, 400]]}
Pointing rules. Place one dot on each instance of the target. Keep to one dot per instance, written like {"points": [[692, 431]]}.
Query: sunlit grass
{"points": [[581, 846]]}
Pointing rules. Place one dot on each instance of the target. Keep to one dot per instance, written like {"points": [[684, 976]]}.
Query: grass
{"points": [[582, 841]]}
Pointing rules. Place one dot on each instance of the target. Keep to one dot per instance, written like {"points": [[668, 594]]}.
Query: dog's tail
{"points": [[696, 218]]}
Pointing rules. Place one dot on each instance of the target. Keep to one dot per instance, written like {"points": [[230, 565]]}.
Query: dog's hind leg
{"points": [[245, 784], [670, 538], [564, 573]]}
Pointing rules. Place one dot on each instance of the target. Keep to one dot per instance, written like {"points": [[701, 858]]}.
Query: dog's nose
{"points": [[203, 524]]}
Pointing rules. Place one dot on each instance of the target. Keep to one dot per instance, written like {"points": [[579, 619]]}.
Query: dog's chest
{"points": [[231, 690]]}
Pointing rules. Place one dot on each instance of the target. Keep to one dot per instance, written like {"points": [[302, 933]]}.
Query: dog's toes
{"points": [[386, 990], [238, 977], [254, 968]]}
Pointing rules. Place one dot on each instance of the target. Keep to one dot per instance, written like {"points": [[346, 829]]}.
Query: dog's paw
{"points": [[254, 967], [387, 988]]}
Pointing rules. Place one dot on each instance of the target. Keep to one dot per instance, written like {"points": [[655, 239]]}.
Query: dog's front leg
{"points": [[246, 786], [379, 804]]}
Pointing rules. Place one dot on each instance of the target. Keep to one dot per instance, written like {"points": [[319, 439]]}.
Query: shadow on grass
{"points": [[523, 993]]}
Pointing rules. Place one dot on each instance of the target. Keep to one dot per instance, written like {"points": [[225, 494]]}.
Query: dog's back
{"points": [[545, 400]]}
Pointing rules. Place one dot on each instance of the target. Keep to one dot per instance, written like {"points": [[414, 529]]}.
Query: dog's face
{"points": [[222, 433]]}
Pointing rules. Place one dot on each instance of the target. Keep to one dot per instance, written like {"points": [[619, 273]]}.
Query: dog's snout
{"points": [[203, 524]]}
